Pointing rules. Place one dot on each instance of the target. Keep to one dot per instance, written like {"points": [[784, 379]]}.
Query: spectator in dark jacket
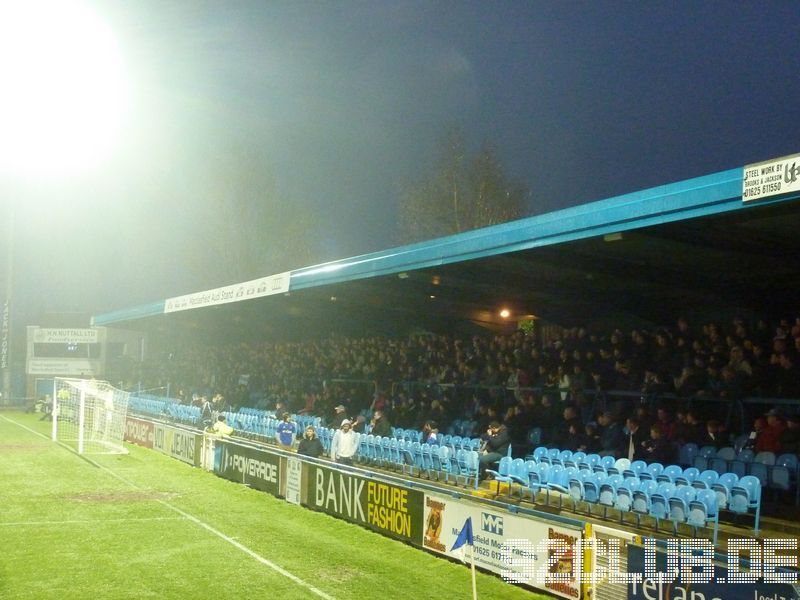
{"points": [[634, 443], [612, 437], [495, 446], [658, 448], [310, 444]]}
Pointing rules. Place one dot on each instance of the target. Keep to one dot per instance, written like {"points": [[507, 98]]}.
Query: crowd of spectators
{"points": [[519, 380]]}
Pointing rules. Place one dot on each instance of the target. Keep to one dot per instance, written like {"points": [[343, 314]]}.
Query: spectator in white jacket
{"points": [[345, 444]]}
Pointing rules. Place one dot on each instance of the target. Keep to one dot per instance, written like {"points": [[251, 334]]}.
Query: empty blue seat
{"points": [[621, 464], [503, 472], [687, 477], [608, 462], [707, 452], [765, 458], [593, 459], [655, 469], [669, 474], [727, 453], [659, 501], [686, 454], [746, 495], [705, 479], [578, 457], [759, 470], [641, 498], [702, 510], [679, 505]]}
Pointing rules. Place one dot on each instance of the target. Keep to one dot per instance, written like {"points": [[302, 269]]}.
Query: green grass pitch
{"points": [[147, 526]]}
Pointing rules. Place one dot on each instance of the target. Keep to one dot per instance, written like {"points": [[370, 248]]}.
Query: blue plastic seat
{"points": [[670, 473], [707, 452], [720, 465], [623, 501], [746, 455], [608, 462], [746, 495], [686, 454], [659, 502], [701, 462], [518, 475], [759, 470], [471, 467], [727, 453], [557, 479], [539, 453], [578, 457], [607, 495], [655, 469], [575, 490], [565, 455], [779, 478], [787, 460], [705, 480], [679, 505], [739, 467], [593, 459], [687, 477], [591, 489], [553, 453], [702, 510], [638, 467], [765, 458], [503, 472], [621, 464], [445, 466]]}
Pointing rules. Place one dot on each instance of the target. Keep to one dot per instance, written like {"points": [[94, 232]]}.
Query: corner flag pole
{"points": [[472, 568], [465, 539]]}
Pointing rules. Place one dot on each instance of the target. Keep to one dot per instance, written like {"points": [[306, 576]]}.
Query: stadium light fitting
{"points": [[505, 313], [65, 93]]}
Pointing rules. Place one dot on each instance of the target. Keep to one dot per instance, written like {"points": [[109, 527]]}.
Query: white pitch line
{"points": [[88, 521], [195, 520]]}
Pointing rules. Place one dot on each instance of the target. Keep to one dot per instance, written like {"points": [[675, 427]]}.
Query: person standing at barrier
{"points": [[345, 444], [310, 445], [221, 428], [285, 432]]}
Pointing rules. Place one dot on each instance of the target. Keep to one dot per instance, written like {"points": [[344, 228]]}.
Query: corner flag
{"points": [[465, 539], [464, 536]]}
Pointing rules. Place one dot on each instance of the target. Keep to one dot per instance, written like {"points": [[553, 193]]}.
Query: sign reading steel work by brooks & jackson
{"points": [[253, 467], [386, 508], [771, 178]]}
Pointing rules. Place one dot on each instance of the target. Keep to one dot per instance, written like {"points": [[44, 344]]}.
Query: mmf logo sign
{"points": [[492, 523]]}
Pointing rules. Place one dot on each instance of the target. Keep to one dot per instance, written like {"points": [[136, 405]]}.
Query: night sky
{"points": [[334, 106]]}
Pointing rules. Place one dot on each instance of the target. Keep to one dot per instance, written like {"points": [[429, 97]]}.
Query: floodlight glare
{"points": [[505, 313], [63, 94]]}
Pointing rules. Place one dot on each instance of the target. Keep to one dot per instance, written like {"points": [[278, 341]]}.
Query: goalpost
{"points": [[89, 415]]}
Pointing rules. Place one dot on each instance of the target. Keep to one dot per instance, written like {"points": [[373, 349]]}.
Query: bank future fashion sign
{"points": [[389, 509]]}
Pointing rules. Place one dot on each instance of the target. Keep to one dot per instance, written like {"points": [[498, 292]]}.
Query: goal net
{"points": [[89, 415]]}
